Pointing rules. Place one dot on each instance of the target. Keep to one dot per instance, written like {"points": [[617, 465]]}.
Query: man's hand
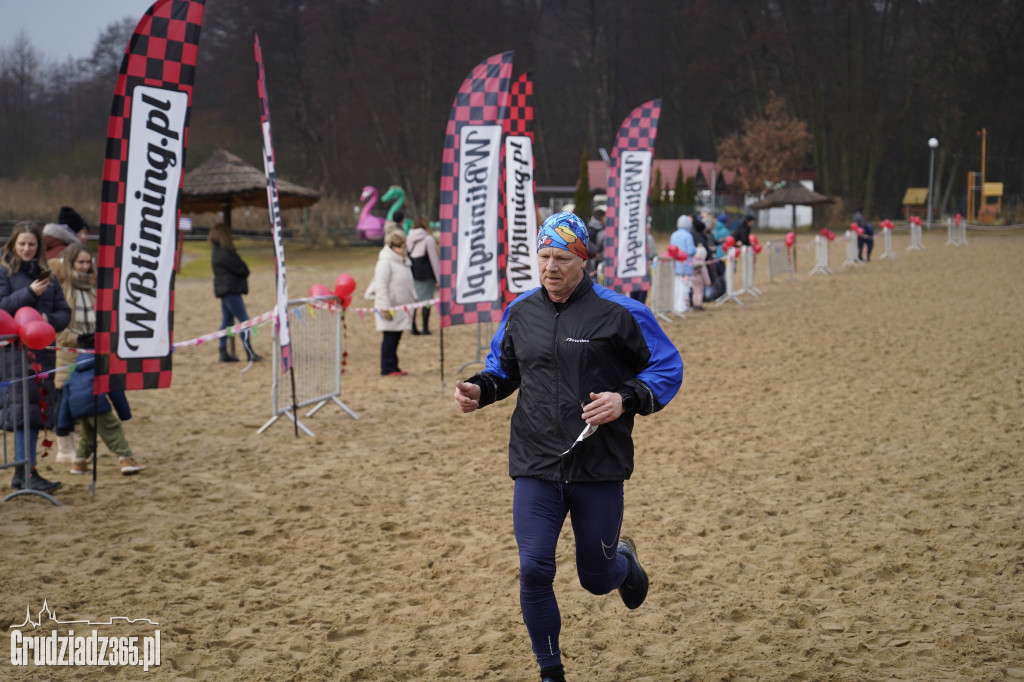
{"points": [[467, 396], [603, 408]]}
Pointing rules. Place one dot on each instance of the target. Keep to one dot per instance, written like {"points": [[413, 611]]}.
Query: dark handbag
{"points": [[421, 268]]}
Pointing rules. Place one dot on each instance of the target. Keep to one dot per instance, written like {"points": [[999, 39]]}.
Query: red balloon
{"points": [[319, 290], [681, 256], [831, 235], [346, 302], [729, 241], [344, 285], [7, 324], [25, 315], [753, 239], [854, 226], [860, 230], [790, 238], [735, 252], [958, 218], [757, 248], [37, 334]]}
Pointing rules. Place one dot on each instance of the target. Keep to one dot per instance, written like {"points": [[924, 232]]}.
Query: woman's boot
{"points": [[426, 318]]}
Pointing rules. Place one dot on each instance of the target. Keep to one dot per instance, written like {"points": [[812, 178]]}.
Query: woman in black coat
{"points": [[230, 283], [26, 281]]}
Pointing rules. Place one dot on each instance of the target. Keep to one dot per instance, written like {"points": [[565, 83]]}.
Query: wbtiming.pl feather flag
{"points": [[629, 179], [273, 201], [142, 176], [519, 259], [470, 280]]}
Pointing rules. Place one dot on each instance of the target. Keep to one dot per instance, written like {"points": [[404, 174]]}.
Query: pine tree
{"points": [[678, 190], [582, 197]]}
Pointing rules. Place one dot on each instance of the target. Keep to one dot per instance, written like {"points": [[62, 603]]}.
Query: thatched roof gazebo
{"points": [[792, 194], [224, 181]]}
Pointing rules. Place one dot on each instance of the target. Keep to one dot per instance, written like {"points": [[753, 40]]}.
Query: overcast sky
{"points": [[64, 28]]}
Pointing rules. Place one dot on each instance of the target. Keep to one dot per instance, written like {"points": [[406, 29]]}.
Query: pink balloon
{"points": [[790, 238], [344, 285], [854, 227], [729, 241], [25, 315], [7, 324], [753, 239], [37, 334], [319, 290]]}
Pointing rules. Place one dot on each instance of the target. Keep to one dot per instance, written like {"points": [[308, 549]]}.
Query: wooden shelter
{"points": [[792, 194], [224, 181]]}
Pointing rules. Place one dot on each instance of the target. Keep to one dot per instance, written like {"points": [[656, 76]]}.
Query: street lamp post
{"points": [[932, 144]]}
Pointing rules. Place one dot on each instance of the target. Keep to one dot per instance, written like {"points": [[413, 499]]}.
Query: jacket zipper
{"points": [[554, 344]]}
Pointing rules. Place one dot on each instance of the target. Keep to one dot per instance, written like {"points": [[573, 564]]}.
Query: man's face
{"points": [[560, 272]]}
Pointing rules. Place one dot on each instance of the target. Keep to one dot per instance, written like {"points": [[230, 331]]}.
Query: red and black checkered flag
{"points": [[470, 176], [518, 258], [142, 177], [273, 201], [629, 178]]}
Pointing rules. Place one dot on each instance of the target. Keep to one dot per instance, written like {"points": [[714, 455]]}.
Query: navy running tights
{"points": [[538, 512]]}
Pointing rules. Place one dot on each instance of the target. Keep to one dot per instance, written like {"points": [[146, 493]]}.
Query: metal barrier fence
{"points": [[663, 283], [957, 232], [852, 249], [915, 238], [821, 257], [14, 397], [730, 281], [781, 260], [747, 265], [887, 242], [317, 343]]}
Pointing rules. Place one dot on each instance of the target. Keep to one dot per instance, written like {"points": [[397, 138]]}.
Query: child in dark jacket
{"points": [[79, 403]]}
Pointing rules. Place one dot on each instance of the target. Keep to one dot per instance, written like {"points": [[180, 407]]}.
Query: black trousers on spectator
{"points": [[389, 352]]}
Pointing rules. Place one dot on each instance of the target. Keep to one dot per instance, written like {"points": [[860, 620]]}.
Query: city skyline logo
{"points": [[91, 649]]}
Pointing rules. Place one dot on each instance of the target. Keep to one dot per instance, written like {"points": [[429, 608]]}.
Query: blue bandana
{"points": [[564, 231]]}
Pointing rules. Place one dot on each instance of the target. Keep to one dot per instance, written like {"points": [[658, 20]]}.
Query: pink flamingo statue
{"points": [[369, 226]]}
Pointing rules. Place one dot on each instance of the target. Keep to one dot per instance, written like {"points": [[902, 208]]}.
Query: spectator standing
{"points": [[78, 274], [743, 230], [392, 287], [422, 249], [701, 278], [682, 238], [27, 281], [230, 283]]}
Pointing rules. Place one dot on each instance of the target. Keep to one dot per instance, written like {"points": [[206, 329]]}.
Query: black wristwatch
{"points": [[628, 401]]}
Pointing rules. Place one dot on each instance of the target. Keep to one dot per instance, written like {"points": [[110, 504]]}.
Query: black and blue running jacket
{"points": [[556, 355]]}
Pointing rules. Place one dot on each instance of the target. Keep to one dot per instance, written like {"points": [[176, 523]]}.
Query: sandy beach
{"points": [[836, 494]]}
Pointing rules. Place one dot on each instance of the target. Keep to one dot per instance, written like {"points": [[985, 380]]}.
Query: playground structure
{"points": [[980, 208]]}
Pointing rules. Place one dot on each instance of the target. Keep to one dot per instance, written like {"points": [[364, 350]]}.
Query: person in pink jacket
{"points": [[701, 277]]}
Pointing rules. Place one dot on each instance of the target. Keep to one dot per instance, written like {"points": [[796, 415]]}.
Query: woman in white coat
{"points": [[391, 289]]}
